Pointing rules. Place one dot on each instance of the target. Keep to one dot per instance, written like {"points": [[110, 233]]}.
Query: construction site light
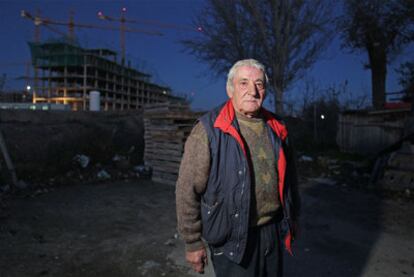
{"points": [[23, 13]]}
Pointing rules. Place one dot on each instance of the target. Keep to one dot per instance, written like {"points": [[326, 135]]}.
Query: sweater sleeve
{"points": [[191, 183]]}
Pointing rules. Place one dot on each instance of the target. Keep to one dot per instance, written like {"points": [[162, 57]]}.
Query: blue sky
{"points": [[163, 57]]}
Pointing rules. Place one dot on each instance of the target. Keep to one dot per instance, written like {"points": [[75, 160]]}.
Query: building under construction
{"points": [[65, 73]]}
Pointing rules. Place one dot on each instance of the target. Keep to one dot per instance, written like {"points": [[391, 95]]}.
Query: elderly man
{"points": [[236, 190]]}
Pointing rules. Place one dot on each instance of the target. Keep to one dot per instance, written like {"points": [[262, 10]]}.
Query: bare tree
{"points": [[382, 29], [406, 80], [406, 72], [288, 36]]}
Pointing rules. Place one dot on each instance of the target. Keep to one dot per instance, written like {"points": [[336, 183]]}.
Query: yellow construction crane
{"points": [[47, 22], [123, 20]]}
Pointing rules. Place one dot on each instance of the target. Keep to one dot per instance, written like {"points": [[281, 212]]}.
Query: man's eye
{"points": [[260, 85], [243, 84]]}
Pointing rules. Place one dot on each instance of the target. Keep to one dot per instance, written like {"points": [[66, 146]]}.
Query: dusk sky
{"points": [[163, 56]]}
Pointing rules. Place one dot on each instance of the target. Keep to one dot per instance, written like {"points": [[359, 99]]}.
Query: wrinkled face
{"points": [[248, 91]]}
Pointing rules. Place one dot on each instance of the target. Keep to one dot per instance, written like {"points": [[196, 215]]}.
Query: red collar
{"points": [[227, 115]]}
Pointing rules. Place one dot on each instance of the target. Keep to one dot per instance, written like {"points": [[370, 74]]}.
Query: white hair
{"points": [[247, 62]]}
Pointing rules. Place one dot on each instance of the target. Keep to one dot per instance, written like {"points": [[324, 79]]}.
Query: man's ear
{"points": [[229, 92]]}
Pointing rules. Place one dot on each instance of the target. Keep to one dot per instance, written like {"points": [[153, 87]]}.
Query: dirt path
{"points": [[349, 232], [128, 229], [111, 229]]}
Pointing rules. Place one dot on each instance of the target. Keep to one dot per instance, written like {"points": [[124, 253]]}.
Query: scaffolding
{"points": [[66, 73]]}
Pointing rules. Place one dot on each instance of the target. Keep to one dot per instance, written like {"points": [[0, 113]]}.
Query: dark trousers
{"points": [[263, 256]]}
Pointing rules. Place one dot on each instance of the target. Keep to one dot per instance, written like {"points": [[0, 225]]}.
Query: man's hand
{"points": [[197, 259]]}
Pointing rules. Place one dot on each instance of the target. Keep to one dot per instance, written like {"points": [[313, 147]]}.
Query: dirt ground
{"points": [[107, 229], [128, 228]]}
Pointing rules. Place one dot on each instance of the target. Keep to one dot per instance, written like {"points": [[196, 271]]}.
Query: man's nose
{"points": [[252, 89]]}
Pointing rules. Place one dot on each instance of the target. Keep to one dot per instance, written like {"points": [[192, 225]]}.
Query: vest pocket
{"points": [[215, 221]]}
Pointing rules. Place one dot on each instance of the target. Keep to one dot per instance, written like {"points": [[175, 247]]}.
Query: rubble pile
{"points": [[398, 168], [167, 126]]}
